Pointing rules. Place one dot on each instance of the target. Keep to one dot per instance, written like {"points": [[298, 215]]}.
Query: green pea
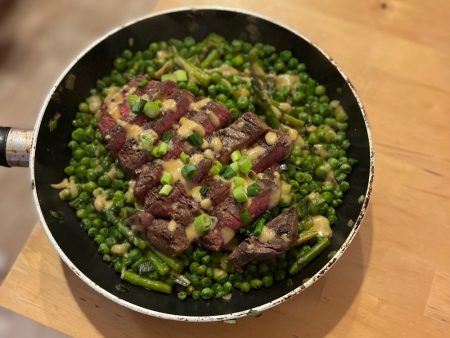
{"points": [[280, 275], [245, 287], [194, 267], [78, 134], [256, 283], [321, 172], [78, 154], [120, 63], [104, 181], [227, 286], [196, 295], [207, 293], [242, 102], [92, 232], [267, 281], [103, 249], [182, 295], [99, 239], [320, 90]]}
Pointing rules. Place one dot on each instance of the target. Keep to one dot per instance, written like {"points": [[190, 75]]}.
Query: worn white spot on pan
{"points": [[233, 315]]}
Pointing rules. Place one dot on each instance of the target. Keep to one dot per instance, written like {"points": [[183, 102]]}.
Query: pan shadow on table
{"points": [[313, 313]]}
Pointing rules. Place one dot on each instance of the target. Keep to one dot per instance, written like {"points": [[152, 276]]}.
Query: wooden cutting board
{"points": [[394, 280]]}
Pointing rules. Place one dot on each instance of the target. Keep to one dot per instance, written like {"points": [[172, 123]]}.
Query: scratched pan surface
{"points": [[50, 155]]}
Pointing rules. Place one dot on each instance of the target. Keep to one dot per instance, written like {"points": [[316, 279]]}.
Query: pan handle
{"points": [[15, 147]]}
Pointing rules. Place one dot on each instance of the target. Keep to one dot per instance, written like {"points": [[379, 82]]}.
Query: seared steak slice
{"points": [[167, 236], [149, 177], [269, 194], [276, 238], [116, 138], [176, 147], [240, 134], [131, 157], [202, 169], [177, 205], [273, 153], [218, 190], [139, 222], [179, 107], [212, 240], [105, 124]]}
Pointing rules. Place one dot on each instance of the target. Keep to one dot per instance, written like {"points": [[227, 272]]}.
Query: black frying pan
{"points": [[48, 154]]}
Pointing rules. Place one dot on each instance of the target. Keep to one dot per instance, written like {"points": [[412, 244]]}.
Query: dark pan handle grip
{"points": [[15, 147]]}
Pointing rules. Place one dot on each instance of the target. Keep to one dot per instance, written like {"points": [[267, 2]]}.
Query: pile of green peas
{"points": [[317, 168]]}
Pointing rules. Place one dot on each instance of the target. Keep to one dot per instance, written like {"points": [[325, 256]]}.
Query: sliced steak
{"points": [[173, 111], [116, 138], [273, 153], [202, 169], [277, 236], [240, 134], [228, 212], [149, 177], [269, 195], [139, 222], [218, 190], [167, 236], [105, 124], [177, 205], [176, 147], [131, 157]]}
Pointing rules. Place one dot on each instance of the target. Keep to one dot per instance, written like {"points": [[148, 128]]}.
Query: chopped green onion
{"points": [[152, 109], [216, 168], [146, 142], [180, 75], [202, 223], [235, 155], [238, 181], [258, 226], [138, 106], [142, 83], [203, 191], [245, 164], [188, 171], [171, 77], [253, 189], [227, 172], [239, 194], [165, 190], [195, 139], [166, 178], [132, 100], [184, 157], [245, 216], [166, 136], [160, 150], [235, 166]]}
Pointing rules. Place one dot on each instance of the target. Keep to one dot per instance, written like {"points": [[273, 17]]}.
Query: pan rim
{"points": [[232, 315]]}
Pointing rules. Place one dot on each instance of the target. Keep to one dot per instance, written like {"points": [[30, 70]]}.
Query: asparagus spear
{"points": [[304, 260], [195, 74], [149, 284]]}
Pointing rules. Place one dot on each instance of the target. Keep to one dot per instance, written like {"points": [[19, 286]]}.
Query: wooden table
{"points": [[395, 278]]}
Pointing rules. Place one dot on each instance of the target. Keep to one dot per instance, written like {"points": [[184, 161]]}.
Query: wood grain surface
{"points": [[394, 280]]}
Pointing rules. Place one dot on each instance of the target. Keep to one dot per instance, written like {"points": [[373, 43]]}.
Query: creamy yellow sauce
{"points": [[255, 152], [187, 128], [227, 234], [199, 105], [226, 70], [206, 204], [216, 144], [286, 107], [196, 159], [285, 193], [169, 105], [195, 192], [292, 133], [286, 80], [209, 154], [213, 118], [101, 203], [191, 232], [94, 103], [322, 225], [172, 225], [174, 167], [205, 144], [276, 192], [267, 234], [271, 138]]}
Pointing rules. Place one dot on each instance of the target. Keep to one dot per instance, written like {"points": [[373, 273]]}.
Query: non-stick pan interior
{"points": [[52, 154]]}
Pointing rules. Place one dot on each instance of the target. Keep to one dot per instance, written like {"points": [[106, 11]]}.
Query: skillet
{"points": [[46, 153]]}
